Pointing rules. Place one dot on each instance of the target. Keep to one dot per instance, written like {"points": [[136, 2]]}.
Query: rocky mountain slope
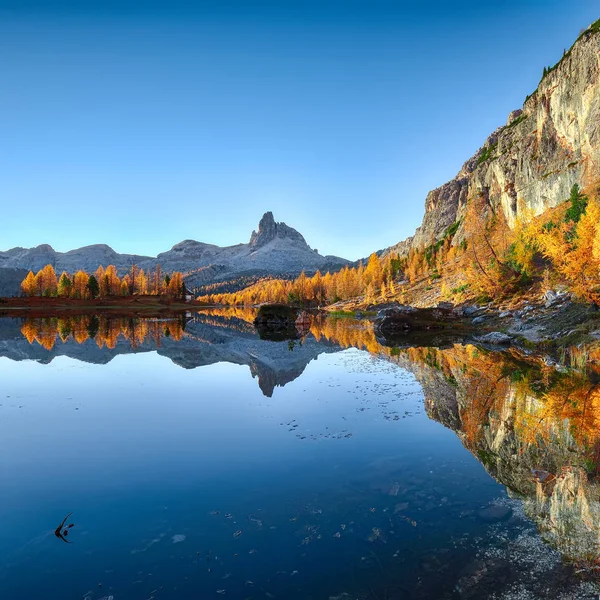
{"points": [[532, 161], [10, 281], [274, 249]]}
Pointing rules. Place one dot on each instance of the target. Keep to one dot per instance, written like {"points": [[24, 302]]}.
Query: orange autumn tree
{"points": [[112, 281], [80, 281], [28, 285], [573, 246], [47, 281], [488, 268], [371, 282], [44, 283]]}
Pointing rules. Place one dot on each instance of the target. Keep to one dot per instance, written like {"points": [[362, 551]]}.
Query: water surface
{"points": [[200, 461]]}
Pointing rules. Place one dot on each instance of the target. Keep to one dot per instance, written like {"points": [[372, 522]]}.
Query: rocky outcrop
{"points": [[268, 230], [402, 319], [275, 249], [276, 322], [533, 160]]}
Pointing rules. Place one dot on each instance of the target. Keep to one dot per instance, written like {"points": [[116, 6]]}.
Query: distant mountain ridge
{"points": [[274, 249]]}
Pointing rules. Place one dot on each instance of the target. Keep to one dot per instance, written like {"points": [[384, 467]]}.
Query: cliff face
{"points": [[533, 160]]}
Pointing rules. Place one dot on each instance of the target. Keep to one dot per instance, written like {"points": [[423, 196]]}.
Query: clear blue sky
{"points": [[140, 124]]}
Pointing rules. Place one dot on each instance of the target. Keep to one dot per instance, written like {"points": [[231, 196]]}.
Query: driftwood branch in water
{"points": [[58, 531]]}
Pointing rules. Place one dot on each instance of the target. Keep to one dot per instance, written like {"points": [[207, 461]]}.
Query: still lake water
{"points": [[209, 463]]}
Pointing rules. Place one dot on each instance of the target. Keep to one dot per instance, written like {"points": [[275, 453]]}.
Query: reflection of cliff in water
{"points": [[535, 428]]}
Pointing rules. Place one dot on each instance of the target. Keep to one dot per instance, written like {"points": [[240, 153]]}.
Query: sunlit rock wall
{"points": [[535, 158]]}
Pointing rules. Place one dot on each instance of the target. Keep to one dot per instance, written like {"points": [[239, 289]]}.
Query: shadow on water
{"points": [[533, 425]]}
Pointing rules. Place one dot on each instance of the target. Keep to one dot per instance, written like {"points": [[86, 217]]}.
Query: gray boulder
{"points": [[496, 338], [553, 297]]}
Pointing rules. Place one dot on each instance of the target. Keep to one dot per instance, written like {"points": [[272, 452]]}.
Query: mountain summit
{"points": [[268, 230]]}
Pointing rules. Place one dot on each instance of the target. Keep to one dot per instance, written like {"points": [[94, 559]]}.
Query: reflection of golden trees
{"points": [[570, 407], [542, 405], [104, 330], [536, 428], [346, 333], [44, 333], [245, 313]]}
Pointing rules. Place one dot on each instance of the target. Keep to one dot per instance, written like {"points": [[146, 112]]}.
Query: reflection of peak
{"points": [[209, 340], [289, 368], [268, 230]]}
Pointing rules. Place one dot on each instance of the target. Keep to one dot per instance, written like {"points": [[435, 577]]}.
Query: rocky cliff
{"points": [[536, 157], [274, 249]]}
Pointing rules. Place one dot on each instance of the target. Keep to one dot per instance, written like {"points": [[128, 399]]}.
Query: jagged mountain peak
{"points": [[269, 229]]}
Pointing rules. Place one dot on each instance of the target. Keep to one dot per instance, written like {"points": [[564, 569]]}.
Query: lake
{"points": [[196, 460]]}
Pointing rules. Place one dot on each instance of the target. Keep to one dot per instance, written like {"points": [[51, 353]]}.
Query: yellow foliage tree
{"points": [[28, 285], [574, 249]]}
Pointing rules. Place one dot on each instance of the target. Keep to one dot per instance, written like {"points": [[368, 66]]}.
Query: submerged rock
{"points": [[495, 337], [481, 575], [495, 513]]}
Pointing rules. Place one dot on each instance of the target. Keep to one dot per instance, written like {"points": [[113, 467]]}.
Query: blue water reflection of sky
{"points": [[141, 450]]}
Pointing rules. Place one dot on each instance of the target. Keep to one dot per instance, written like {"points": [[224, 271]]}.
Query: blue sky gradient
{"points": [[140, 124]]}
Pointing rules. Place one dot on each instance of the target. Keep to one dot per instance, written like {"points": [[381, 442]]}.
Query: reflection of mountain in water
{"points": [[535, 428], [203, 340], [212, 339]]}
